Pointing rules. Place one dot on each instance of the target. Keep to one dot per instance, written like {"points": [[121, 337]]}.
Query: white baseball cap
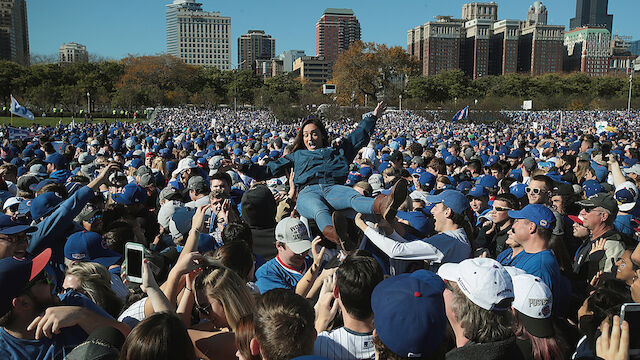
{"points": [[11, 201], [293, 232], [484, 281], [626, 196], [533, 301], [635, 169]]}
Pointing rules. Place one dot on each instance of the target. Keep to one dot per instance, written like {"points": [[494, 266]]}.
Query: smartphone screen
{"points": [[134, 262], [631, 314]]}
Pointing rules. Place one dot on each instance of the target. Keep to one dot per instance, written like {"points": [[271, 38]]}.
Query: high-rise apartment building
{"points": [[336, 30], [437, 44], [588, 50], [480, 45], [72, 53], [634, 47], [540, 49], [14, 31], [255, 45], [198, 37], [592, 13]]}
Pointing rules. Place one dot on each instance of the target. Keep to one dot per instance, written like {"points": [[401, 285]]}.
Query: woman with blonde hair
{"points": [[94, 281], [222, 298]]}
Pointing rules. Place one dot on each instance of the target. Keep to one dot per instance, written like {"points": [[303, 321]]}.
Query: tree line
{"points": [[363, 74]]}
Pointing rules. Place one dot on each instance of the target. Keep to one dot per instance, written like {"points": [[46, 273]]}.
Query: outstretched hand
{"points": [[379, 110]]}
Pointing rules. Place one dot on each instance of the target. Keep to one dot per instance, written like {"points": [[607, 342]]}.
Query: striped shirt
{"points": [[344, 344]]}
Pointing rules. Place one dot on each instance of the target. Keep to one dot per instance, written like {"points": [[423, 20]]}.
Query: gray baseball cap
{"points": [[293, 232]]}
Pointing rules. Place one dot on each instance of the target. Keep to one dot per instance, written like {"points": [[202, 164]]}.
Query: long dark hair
{"points": [[160, 336], [298, 143]]}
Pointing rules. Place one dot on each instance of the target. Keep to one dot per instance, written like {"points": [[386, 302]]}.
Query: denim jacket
{"points": [[322, 166]]}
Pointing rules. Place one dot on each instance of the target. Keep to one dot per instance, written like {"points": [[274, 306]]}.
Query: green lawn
{"points": [[51, 121]]}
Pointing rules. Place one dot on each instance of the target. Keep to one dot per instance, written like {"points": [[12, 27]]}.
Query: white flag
{"points": [[20, 110]]}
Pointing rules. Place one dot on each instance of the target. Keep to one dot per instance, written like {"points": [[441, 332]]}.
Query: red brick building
{"points": [[336, 30]]}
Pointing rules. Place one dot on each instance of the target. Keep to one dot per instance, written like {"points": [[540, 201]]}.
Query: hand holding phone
{"points": [[134, 255]]}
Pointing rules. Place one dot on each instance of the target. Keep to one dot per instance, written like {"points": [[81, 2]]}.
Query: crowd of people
{"points": [[398, 236]]}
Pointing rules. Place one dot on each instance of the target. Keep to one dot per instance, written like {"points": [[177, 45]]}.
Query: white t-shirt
{"points": [[344, 344]]}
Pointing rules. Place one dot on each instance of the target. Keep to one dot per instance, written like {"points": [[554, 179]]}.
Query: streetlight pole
{"points": [[631, 85], [88, 103], [400, 102]]}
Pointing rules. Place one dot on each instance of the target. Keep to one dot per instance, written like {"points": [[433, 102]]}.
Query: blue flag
{"points": [[461, 115], [17, 133], [20, 110]]}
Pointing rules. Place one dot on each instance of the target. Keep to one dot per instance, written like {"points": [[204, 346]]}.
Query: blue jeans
{"points": [[315, 202]]}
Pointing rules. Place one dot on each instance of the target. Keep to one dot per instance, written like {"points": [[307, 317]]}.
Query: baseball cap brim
{"points": [[542, 328], [108, 260], [299, 247], [517, 214], [449, 271], [39, 262], [576, 219], [626, 206], [18, 229]]}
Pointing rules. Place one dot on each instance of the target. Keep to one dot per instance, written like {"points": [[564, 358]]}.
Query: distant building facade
{"points": [[255, 45], [288, 57], [72, 53], [480, 45], [14, 32], [336, 30], [315, 70], [198, 37], [588, 50]]}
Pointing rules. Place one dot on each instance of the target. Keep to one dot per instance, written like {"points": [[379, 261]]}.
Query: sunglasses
{"points": [[203, 310], [500, 208], [15, 238], [41, 278], [534, 191]]}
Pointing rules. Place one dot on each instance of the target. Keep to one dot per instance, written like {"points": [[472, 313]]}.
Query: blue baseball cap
{"points": [[453, 199], [45, 204], [427, 180], [450, 160], [366, 171], [537, 214], [132, 194], [89, 246], [591, 187], [488, 181], [41, 184], [518, 189], [409, 313], [516, 154], [478, 191], [10, 225], [16, 273], [57, 159], [464, 186], [136, 163]]}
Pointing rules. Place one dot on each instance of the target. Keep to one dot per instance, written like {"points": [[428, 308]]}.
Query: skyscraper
{"points": [[255, 45], [14, 31], [198, 37], [592, 13], [336, 30]]}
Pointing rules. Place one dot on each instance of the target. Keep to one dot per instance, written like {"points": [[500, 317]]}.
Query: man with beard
{"points": [[32, 326]]}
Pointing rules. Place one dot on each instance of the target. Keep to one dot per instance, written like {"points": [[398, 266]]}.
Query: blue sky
{"points": [[115, 28]]}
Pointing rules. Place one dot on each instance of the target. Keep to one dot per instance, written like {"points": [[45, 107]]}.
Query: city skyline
{"points": [[121, 30]]}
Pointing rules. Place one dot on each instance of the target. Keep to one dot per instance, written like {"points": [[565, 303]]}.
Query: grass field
{"points": [[51, 121]]}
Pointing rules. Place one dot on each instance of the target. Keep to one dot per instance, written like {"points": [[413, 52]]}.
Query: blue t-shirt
{"points": [[545, 266], [624, 225], [274, 274], [58, 346]]}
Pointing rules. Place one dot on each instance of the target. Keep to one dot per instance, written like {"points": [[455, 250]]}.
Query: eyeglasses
{"points": [[534, 191], [500, 208]]}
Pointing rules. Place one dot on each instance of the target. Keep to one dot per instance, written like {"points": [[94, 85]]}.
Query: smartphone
{"points": [[630, 312], [134, 253]]}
